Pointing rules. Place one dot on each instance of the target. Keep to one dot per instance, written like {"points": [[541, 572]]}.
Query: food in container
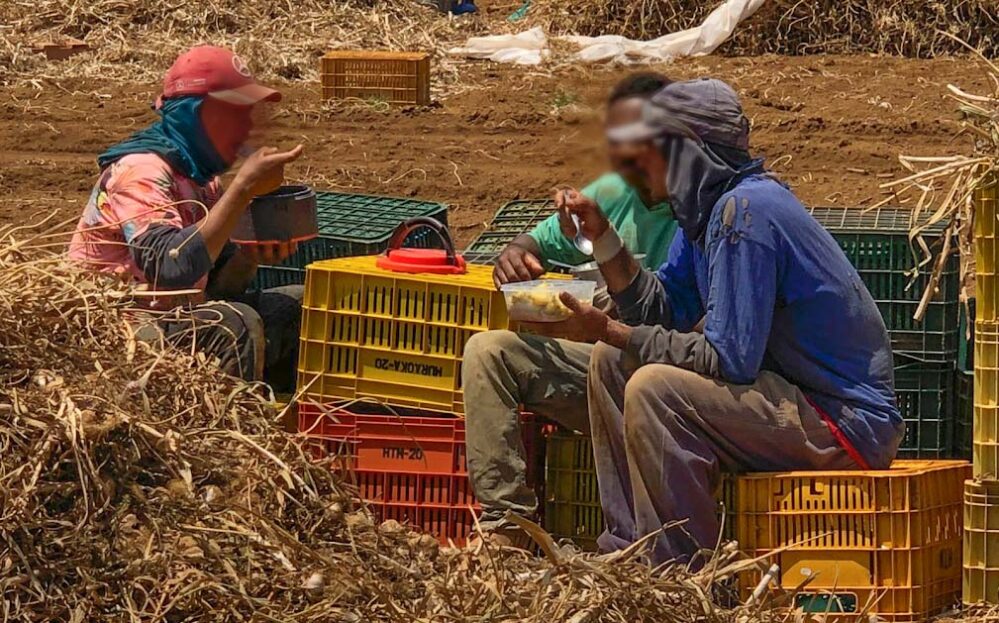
{"points": [[538, 301]]}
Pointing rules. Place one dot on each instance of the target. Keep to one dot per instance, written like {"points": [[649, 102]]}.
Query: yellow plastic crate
{"points": [[986, 202], [395, 337], [882, 542], [985, 437], [981, 542]]}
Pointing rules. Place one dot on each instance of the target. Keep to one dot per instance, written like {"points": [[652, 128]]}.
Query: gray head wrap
{"points": [[704, 136]]}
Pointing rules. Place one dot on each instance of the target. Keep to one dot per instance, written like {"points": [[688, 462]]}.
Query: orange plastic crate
{"points": [[881, 542], [389, 77], [408, 468], [914, 504]]}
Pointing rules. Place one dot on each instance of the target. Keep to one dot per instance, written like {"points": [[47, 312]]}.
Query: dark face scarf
{"points": [[179, 138], [697, 175]]}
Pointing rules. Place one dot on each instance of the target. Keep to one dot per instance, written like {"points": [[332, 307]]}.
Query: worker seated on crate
{"points": [[158, 217], [503, 370], [755, 347]]}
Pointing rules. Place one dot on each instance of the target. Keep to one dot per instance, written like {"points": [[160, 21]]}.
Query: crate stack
{"points": [[380, 371], [883, 544], [926, 351], [981, 494]]}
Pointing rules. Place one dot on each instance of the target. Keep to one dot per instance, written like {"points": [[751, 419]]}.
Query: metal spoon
{"points": [[584, 244]]}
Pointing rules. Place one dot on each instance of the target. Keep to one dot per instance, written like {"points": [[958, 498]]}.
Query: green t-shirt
{"points": [[642, 229]]}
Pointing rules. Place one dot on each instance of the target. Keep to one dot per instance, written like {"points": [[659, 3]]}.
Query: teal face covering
{"points": [[179, 138]]}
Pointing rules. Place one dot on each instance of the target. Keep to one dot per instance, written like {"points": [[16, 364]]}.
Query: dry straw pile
{"points": [[142, 485], [138, 39], [900, 27]]}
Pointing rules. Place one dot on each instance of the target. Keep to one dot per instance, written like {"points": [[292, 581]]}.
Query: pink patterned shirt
{"points": [[132, 194]]}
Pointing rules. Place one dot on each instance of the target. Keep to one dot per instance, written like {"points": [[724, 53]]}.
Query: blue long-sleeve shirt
{"points": [[777, 293]]}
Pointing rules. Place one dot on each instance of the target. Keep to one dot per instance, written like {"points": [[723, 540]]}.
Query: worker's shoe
{"points": [[506, 535]]}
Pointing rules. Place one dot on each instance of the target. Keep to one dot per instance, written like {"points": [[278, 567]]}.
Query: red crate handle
{"points": [[435, 261]]}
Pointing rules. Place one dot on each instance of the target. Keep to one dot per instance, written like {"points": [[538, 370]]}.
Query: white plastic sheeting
{"points": [[526, 48], [530, 47], [698, 41]]}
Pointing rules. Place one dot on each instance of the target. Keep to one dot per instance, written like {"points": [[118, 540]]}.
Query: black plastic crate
{"points": [[513, 219], [966, 337], [964, 387], [926, 400], [877, 244], [352, 225], [276, 276]]}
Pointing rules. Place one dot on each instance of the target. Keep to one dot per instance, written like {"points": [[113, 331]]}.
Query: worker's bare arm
{"points": [[620, 270], [519, 261], [262, 173]]}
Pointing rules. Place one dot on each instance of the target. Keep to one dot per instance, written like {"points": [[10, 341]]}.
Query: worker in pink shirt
{"points": [[159, 218]]}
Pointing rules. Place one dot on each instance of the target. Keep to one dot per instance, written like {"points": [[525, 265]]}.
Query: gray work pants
{"points": [[254, 336], [502, 371], [662, 435]]}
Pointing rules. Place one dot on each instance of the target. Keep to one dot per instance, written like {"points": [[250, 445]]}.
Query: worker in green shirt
{"points": [[503, 371], [644, 226]]}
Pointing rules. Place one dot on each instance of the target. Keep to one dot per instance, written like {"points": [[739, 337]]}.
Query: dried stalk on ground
{"points": [[139, 484], [137, 41], [941, 189]]}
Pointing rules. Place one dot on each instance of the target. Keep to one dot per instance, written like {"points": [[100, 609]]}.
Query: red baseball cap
{"points": [[218, 73]]}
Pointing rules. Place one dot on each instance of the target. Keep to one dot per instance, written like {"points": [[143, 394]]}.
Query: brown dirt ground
{"points": [[832, 126]]}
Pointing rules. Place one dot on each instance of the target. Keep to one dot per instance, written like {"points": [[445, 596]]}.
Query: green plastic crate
{"points": [[572, 500], [964, 387], [927, 403], [512, 220], [351, 225], [572, 497], [486, 258], [877, 244]]}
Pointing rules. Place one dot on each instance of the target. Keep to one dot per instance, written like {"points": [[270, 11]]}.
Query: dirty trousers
{"points": [[662, 435], [254, 336], [502, 370]]}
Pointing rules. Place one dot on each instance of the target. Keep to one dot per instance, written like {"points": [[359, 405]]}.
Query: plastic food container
{"points": [[538, 301], [286, 215]]}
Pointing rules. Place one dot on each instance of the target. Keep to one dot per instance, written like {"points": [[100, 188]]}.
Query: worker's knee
{"points": [[294, 292], [491, 346], [605, 361], [238, 318], [647, 382], [234, 333], [648, 398]]}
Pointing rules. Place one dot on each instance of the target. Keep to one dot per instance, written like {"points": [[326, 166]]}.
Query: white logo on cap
{"points": [[240, 66]]}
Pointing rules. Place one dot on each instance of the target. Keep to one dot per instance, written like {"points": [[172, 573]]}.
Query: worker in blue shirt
{"points": [[755, 347]]}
